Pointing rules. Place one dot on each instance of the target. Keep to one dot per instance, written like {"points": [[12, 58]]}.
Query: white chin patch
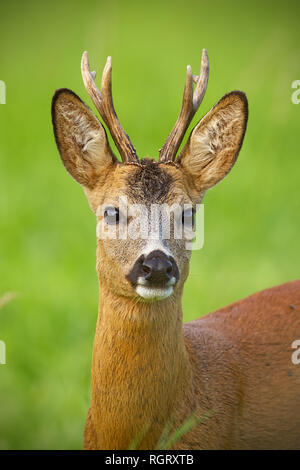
{"points": [[154, 293]]}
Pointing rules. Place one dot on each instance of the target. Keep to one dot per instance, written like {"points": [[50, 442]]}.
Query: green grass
{"points": [[47, 233], [169, 438]]}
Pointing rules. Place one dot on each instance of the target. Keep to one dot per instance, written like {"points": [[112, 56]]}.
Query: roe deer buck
{"points": [[149, 369]]}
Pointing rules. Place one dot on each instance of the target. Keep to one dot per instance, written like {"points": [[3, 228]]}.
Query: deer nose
{"points": [[157, 268]]}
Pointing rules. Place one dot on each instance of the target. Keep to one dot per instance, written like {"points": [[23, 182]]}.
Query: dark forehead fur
{"points": [[150, 182]]}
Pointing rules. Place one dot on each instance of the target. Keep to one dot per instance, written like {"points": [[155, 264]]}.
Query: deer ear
{"points": [[215, 142], [80, 138]]}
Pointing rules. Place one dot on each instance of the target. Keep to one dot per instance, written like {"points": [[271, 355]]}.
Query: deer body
{"points": [[231, 371], [227, 363]]}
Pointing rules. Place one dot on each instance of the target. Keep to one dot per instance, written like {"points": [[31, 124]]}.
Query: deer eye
{"points": [[111, 215], [188, 218]]}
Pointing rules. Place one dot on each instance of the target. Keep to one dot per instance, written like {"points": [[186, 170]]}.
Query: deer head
{"points": [[152, 267]]}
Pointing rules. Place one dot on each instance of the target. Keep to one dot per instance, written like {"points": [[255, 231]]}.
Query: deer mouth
{"points": [[150, 291]]}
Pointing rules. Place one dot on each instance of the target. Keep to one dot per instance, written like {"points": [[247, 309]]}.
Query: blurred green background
{"points": [[47, 232]]}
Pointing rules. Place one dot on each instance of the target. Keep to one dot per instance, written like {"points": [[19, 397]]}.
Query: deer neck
{"points": [[140, 369]]}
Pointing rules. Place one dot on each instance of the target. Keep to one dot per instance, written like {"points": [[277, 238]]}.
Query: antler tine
{"points": [[104, 104], [190, 104], [202, 81]]}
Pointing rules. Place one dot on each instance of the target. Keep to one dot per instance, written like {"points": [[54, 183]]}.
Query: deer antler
{"points": [[104, 104], [190, 103]]}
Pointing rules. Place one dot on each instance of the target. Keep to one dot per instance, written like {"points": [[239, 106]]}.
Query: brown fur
{"points": [[149, 370], [234, 363], [149, 182]]}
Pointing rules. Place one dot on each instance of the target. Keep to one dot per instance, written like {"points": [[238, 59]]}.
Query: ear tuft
{"points": [[215, 142], [80, 138]]}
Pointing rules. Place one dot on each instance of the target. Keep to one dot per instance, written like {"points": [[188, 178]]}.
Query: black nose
{"points": [[157, 268]]}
